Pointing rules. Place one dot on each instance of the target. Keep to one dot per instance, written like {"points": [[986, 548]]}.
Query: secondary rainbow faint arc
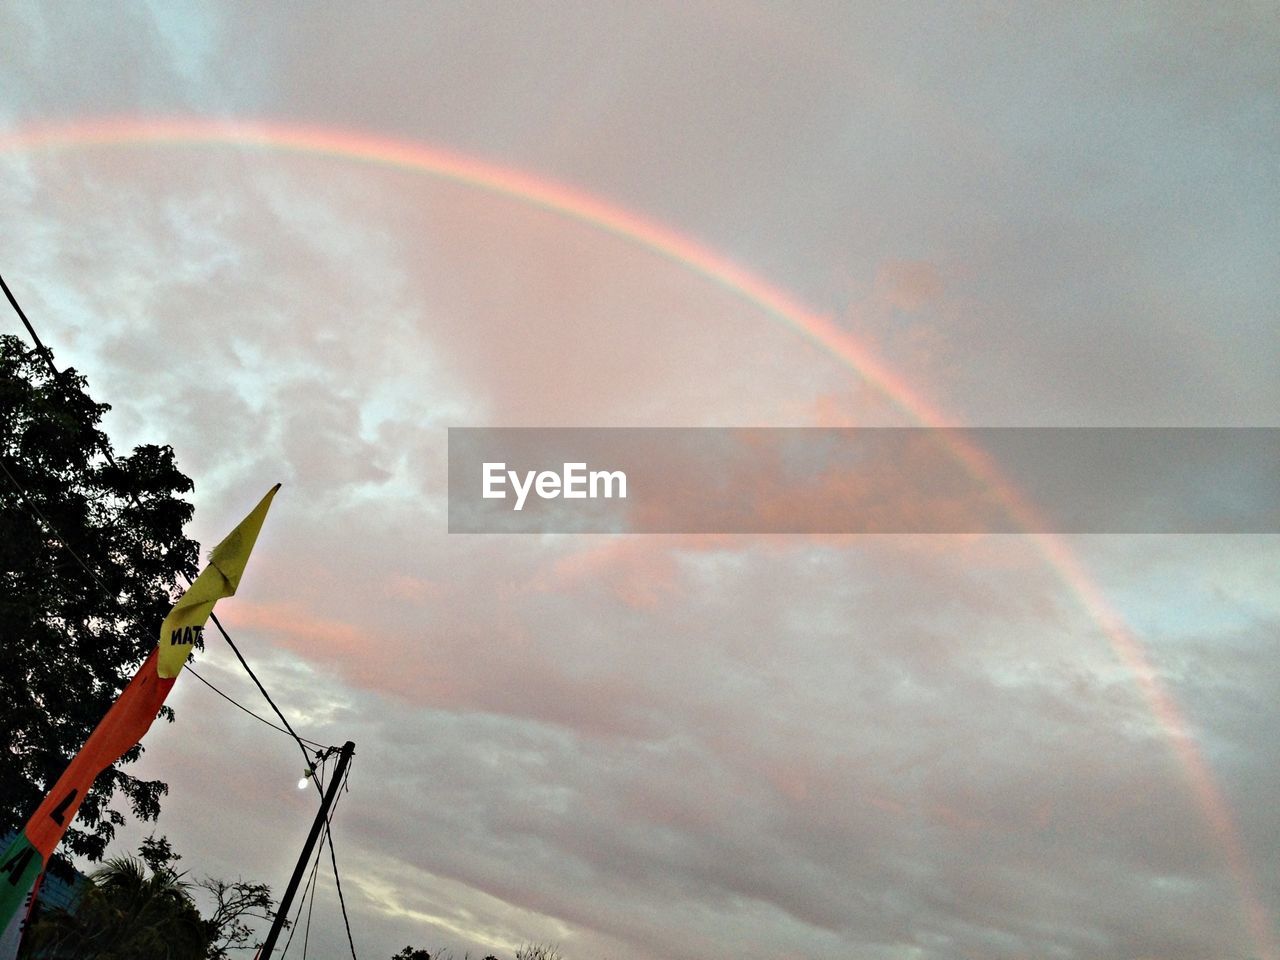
{"points": [[822, 330]]}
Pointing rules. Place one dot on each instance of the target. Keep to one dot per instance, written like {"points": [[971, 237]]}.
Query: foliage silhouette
{"points": [[70, 637], [143, 907], [127, 912]]}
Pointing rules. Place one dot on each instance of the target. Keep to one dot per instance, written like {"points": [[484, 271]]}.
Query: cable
{"points": [[44, 351], [257, 716], [326, 836], [312, 886], [311, 905], [293, 925], [263, 690], [57, 376], [26, 497], [333, 857], [57, 535], [315, 866], [288, 728]]}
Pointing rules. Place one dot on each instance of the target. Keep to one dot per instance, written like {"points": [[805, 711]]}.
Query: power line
{"points": [[333, 857], [38, 513], [327, 836], [263, 690], [57, 376], [257, 716], [44, 351], [293, 927], [315, 869], [288, 728], [306, 933], [57, 535]]}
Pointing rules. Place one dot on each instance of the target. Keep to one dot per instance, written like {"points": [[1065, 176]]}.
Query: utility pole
{"points": [[344, 757]]}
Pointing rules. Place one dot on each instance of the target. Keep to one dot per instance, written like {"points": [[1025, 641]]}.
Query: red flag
{"points": [[129, 717]]}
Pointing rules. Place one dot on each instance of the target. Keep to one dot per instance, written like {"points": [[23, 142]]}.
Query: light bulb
{"points": [[306, 777]]}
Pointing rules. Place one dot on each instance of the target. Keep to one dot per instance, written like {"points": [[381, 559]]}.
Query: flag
{"points": [[11, 939], [129, 717]]}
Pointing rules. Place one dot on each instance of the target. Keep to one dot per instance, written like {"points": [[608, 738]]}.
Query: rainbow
{"points": [[819, 329]]}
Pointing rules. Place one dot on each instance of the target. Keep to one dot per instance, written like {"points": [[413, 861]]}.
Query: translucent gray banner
{"points": [[894, 480]]}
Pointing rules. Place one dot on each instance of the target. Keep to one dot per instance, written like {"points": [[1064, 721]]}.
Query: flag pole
{"points": [[322, 815]]}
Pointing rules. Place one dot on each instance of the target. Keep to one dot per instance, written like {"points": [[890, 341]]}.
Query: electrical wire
{"points": [[315, 866], [311, 885], [53, 531], [44, 351], [288, 728], [333, 856], [263, 690], [308, 889], [327, 836], [57, 535], [257, 716], [311, 905], [47, 355]]}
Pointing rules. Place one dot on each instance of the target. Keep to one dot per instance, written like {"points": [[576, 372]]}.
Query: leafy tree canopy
{"points": [[232, 903], [86, 577], [144, 909], [127, 912], [530, 951]]}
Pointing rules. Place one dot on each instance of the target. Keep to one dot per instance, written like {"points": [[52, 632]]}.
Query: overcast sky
{"points": [[689, 747]]}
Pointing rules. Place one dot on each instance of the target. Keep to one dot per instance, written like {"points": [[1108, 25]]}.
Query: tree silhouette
{"points": [[232, 901], [86, 577], [127, 912]]}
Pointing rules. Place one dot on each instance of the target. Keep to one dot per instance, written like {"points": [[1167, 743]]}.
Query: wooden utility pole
{"points": [[344, 757]]}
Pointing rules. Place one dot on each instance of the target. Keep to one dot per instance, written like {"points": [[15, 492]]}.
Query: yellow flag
{"points": [[123, 725], [185, 622]]}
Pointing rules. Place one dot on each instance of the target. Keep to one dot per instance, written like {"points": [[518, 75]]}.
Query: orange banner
{"points": [[130, 717]]}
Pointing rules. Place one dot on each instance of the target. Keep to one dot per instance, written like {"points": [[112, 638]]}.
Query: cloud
{"points": [[733, 799], [908, 285], [686, 747]]}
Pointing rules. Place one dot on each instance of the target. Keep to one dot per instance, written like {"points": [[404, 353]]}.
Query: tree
{"points": [[144, 907], [86, 576], [127, 912], [232, 903], [538, 951], [530, 951]]}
